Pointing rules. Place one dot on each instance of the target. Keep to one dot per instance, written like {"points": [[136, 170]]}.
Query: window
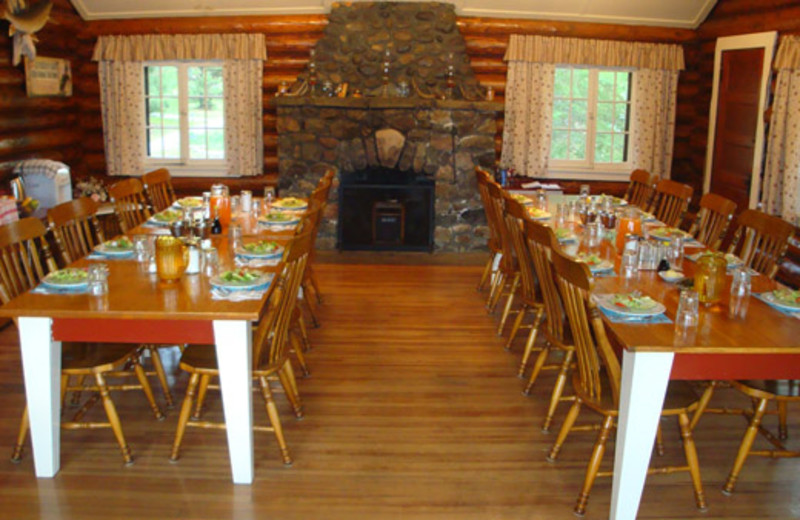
{"points": [[184, 119], [591, 119]]}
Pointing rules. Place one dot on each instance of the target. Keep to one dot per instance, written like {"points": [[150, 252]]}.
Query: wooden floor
{"points": [[413, 410]]}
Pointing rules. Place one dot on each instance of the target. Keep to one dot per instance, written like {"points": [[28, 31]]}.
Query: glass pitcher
{"points": [[709, 279], [172, 258], [220, 202], [628, 223]]}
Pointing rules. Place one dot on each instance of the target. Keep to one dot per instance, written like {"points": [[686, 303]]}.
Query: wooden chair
{"points": [[508, 274], [761, 240], [318, 198], [716, 213], [640, 189], [541, 240], [269, 352], [670, 202], [158, 185], [483, 178], [594, 353], [130, 205], [77, 231], [25, 259]]}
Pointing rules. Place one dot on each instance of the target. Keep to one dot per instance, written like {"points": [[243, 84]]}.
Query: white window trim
{"points": [[187, 167], [585, 170]]}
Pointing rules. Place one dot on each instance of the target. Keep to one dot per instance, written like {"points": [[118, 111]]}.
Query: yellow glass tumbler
{"points": [[172, 257]]}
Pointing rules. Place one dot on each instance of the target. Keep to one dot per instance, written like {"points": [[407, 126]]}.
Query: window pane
{"points": [[577, 146], [197, 113], [153, 83], [169, 81], [602, 148], [560, 113], [579, 114], [154, 145], [619, 153], [216, 114], [580, 83], [620, 117], [605, 117], [154, 112], [605, 85], [623, 84], [197, 85], [216, 144], [172, 143], [197, 144], [171, 113], [559, 145], [214, 81], [562, 83]]}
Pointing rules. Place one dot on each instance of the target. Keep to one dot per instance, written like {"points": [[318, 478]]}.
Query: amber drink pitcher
{"points": [[172, 257]]}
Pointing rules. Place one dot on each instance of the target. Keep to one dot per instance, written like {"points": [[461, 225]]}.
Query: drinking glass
{"points": [[235, 205], [210, 261], [235, 236], [246, 201], [688, 313], [98, 279], [675, 251], [629, 265], [141, 248], [269, 196], [740, 293]]}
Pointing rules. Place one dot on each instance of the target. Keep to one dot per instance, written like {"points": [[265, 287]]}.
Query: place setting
{"points": [[121, 248], [598, 266], [240, 284], [258, 254], [632, 307], [784, 300], [164, 218], [279, 220], [70, 280]]}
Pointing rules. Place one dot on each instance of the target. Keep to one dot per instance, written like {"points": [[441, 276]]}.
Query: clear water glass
{"points": [[688, 313], [675, 251], [246, 201], [98, 279], [269, 196], [210, 262], [235, 236], [629, 265], [141, 248], [740, 293], [235, 205]]}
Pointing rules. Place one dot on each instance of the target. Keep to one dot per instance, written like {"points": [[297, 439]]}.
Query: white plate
{"points": [[671, 231], [541, 216], [176, 214], [106, 249], [291, 222], [770, 297], [279, 205], [606, 302], [53, 281], [189, 203], [671, 279], [263, 279], [241, 251]]}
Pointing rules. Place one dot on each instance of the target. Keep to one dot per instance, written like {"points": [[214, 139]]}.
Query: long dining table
{"points": [[139, 308], [764, 345]]}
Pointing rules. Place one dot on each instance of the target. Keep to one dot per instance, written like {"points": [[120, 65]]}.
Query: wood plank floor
{"points": [[413, 411]]}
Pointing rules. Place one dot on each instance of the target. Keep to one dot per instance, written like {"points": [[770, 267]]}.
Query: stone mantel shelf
{"points": [[388, 103]]}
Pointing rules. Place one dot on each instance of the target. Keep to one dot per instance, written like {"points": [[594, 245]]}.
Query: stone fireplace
{"points": [[411, 106]]}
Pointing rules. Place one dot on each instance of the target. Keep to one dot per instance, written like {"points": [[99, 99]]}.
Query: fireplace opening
{"points": [[384, 209]]}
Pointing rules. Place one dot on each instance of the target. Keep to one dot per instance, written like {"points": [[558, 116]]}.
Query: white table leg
{"points": [[644, 383], [234, 356], [41, 366]]}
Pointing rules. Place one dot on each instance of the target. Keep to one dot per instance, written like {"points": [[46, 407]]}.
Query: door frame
{"points": [[763, 40]]}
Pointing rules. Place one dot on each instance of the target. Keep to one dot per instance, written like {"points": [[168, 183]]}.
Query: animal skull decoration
{"points": [[26, 17]]}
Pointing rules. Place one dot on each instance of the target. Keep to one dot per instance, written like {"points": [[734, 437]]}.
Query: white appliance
{"points": [[47, 181]]}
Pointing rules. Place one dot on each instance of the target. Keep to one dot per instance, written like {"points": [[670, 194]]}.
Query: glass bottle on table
{"points": [[221, 203]]}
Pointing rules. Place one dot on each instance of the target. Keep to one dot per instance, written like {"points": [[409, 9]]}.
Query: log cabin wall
{"points": [[40, 127]]}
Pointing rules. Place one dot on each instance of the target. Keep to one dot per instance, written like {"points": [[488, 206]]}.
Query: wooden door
{"points": [[737, 123]]}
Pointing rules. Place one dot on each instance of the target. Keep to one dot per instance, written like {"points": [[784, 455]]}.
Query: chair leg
{"points": [[744, 448], [76, 394], [148, 392], [526, 354], [312, 279], [702, 404], [202, 389], [113, 418], [558, 390], [523, 311], [305, 303], [297, 347], [274, 418], [161, 374], [783, 432], [690, 451], [594, 465], [569, 420], [286, 376], [183, 418], [19, 447], [497, 289], [301, 326], [537, 369], [509, 303], [486, 271], [659, 440]]}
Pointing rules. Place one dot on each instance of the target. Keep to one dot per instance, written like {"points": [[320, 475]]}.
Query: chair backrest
{"points": [[716, 213], [515, 214], [130, 205], [671, 201], [541, 240], [761, 240], [269, 344], [25, 257], [484, 178], [591, 343], [496, 204], [75, 228], [320, 193], [158, 185], [640, 189]]}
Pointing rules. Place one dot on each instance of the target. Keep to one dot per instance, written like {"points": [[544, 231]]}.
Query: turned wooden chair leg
{"points": [[301, 325], [312, 279], [76, 394], [202, 390], [183, 418], [161, 374], [272, 412], [523, 311], [594, 465], [783, 432], [496, 290], [297, 348], [558, 390], [486, 271], [537, 369], [744, 448], [148, 392], [702, 404], [659, 440], [690, 451], [19, 447], [304, 301], [113, 418], [569, 420], [286, 377], [509, 303], [529, 343]]}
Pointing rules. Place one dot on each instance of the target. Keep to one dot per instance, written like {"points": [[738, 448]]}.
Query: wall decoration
{"points": [[48, 77], [26, 18]]}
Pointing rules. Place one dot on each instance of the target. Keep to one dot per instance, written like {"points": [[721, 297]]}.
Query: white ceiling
{"points": [[671, 13]]}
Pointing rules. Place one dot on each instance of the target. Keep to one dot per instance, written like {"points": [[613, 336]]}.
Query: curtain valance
{"points": [[788, 56], [147, 47], [602, 53]]}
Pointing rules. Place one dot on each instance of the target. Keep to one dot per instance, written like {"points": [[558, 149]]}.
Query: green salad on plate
{"points": [[262, 247]]}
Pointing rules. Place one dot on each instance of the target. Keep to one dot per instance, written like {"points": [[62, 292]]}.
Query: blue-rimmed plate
{"points": [[634, 305], [279, 218], [783, 298], [166, 217], [188, 203], [122, 246], [241, 279], [261, 249], [70, 277], [289, 204]]}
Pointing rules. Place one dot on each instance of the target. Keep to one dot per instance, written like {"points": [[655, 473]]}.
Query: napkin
{"points": [[256, 262], [239, 295]]}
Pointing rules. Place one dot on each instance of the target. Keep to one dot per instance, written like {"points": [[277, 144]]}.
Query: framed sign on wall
{"points": [[48, 77]]}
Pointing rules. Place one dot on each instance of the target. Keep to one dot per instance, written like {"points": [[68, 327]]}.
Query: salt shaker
{"points": [[740, 293]]}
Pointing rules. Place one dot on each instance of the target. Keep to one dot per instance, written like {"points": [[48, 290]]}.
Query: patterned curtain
{"points": [[528, 117], [780, 192], [653, 130], [122, 102], [244, 150]]}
